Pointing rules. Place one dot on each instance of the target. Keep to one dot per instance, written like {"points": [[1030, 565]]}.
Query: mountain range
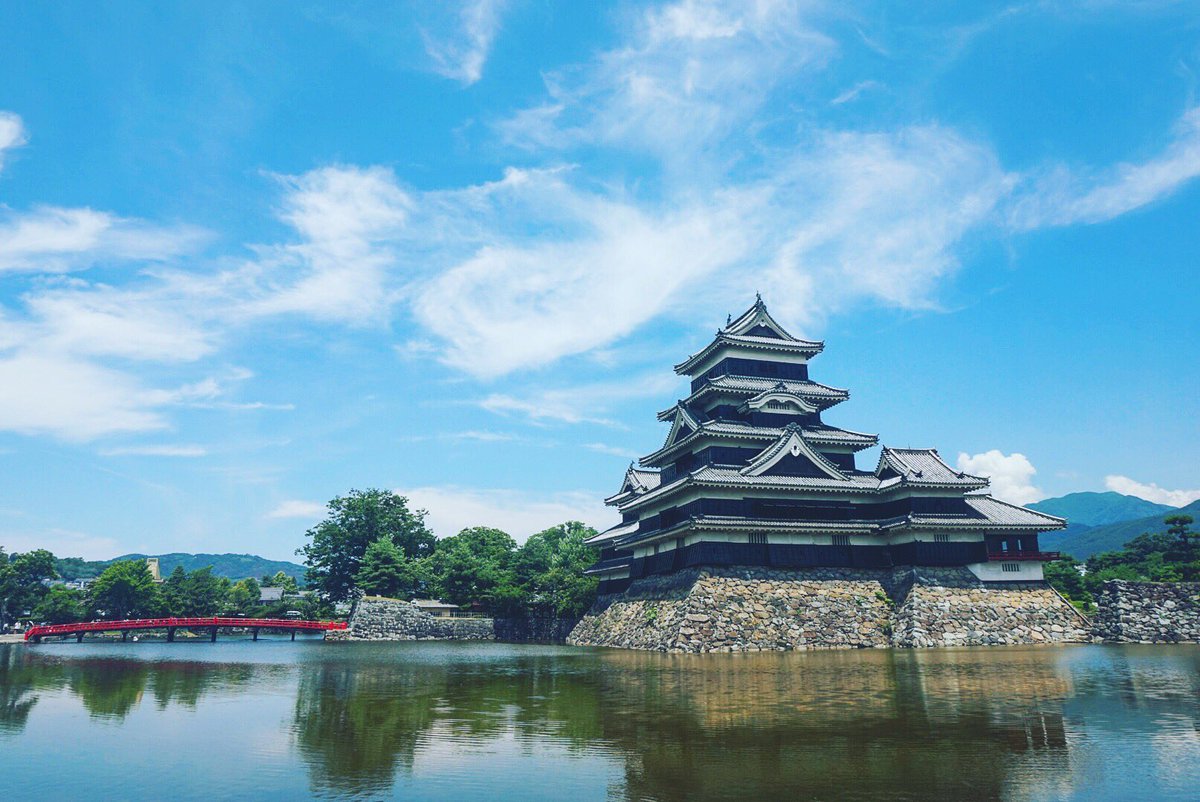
{"points": [[1101, 522], [233, 566]]}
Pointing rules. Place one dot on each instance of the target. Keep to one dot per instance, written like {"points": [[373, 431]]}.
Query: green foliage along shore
{"points": [[126, 589], [372, 541], [1172, 555]]}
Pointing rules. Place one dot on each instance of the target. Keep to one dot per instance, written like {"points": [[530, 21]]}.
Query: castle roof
{"points": [[923, 466], [754, 329]]}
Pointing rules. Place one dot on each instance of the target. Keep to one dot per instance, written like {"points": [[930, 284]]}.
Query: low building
{"points": [[437, 609], [270, 595]]}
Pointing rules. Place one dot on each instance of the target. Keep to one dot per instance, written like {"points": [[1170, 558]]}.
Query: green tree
{"points": [[203, 593], [475, 566], [280, 580], [550, 567], [386, 571], [174, 592], [355, 521], [244, 595], [60, 605], [1063, 575], [1179, 526], [125, 590], [22, 582]]}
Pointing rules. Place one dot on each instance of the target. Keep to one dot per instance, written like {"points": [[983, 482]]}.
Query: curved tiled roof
{"points": [[923, 466]]}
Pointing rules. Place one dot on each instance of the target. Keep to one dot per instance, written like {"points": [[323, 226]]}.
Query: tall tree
{"points": [[386, 571], [22, 582], [280, 580], [550, 567], [475, 566], [1179, 526], [125, 590], [60, 605], [203, 593], [355, 521], [244, 595]]}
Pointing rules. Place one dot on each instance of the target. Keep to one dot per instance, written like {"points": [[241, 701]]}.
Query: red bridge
{"points": [[35, 634]]}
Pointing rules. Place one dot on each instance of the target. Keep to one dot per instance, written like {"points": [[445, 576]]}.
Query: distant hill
{"points": [[1083, 541], [1100, 509], [234, 566]]}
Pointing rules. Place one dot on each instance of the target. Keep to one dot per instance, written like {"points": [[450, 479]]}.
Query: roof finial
{"points": [[728, 319], [758, 298]]}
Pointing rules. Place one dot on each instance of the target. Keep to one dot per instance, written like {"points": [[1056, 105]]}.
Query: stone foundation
{"points": [[376, 618], [755, 609], [1148, 612]]}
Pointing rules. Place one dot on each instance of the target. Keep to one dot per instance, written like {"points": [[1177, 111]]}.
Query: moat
{"points": [[463, 721]]}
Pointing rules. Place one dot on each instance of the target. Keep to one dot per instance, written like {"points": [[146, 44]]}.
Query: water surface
{"points": [[487, 721]]}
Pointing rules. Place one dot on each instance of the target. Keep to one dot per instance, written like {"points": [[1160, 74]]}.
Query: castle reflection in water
{"points": [[967, 724]]}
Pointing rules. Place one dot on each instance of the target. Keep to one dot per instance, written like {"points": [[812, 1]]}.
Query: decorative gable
{"points": [[791, 455]]}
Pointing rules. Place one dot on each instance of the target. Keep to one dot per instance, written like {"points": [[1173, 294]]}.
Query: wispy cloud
{"points": [[1063, 196], [615, 451], [12, 133], [155, 451], [297, 508], [516, 511], [584, 403], [52, 239], [460, 49], [1150, 491], [1011, 474]]}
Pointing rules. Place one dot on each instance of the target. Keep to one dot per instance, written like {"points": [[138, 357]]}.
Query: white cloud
{"points": [[53, 239], [615, 451], [12, 133], [1151, 491], [155, 451], [44, 393], [690, 73], [1011, 474], [518, 512], [553, 270], [63, 543], [296, 508], [461, 53], [585, 403], [1062, 197], [338, 271]]}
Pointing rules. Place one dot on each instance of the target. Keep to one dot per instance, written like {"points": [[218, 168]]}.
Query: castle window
{"points": [[841, 540], [1009, 568], [758, 538], [941, 537]]}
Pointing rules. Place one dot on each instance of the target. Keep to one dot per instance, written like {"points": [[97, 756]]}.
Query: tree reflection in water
{"points": [[689, 727], [384, 720]]}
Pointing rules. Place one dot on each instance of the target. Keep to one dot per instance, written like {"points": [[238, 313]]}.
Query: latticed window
{"points": [[758, 538], [941, 537], [841, 540], [1010, 568]]}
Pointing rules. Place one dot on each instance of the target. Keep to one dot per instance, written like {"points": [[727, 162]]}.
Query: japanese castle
{"points": [[750, 475]]}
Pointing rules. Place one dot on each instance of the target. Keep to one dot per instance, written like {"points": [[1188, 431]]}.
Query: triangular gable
{"points": [[754, 320], [791, 446], [682, 426]]}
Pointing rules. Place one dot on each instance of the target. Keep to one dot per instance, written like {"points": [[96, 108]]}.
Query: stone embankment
{"points": [[1148, 612], [755, 609], [377, 618]]}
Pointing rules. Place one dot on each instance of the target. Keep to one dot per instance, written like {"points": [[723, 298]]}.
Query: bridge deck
{"points": [[37, 633]]}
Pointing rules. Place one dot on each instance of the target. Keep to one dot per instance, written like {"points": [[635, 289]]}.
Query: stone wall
{"points": [[534, 628], [1148, 612], [376, 618], [755, 609], [951, 607]]}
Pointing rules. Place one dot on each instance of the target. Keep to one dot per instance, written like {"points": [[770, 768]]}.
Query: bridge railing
{"points": [[181, 623]]}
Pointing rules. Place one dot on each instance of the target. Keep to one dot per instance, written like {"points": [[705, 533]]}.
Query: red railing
{"points": [[1015, 556], [182, 623]]}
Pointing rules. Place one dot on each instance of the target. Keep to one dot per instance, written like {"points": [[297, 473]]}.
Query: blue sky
{"points": [[253, 255]]}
